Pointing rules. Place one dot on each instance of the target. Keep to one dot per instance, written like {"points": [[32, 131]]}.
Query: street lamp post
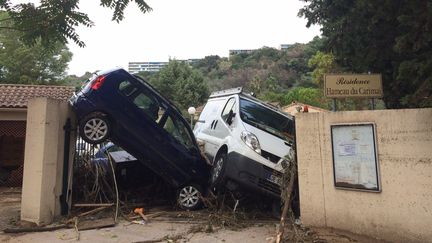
{"points": [[191, 112]]}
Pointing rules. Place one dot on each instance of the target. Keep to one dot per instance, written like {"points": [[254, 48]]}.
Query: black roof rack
{"points": [[226, 92], [239, 90]]}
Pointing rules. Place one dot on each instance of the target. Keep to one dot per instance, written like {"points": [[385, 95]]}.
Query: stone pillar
{"points": [[43, 160], [310, 170]]}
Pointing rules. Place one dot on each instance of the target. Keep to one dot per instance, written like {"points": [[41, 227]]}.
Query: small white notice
{"points": [[355, 161]]}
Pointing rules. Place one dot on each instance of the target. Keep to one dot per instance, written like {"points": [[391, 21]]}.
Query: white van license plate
{"points": [[275, 179]]}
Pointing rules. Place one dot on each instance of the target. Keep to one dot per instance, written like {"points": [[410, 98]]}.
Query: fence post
{"points": [[63, 200]]}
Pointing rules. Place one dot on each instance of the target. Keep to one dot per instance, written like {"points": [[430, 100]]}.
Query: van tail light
{"points": [[97, 83]]}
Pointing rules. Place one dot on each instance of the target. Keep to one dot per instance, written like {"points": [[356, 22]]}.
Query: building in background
{"points": [[136, 67], [241, 51], [191, 61], [284, 47]]}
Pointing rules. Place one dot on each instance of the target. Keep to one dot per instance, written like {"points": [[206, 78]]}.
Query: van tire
{"points": [[218, 170], [101, 125]]}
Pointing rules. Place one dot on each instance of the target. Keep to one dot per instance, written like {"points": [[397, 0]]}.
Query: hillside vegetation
{"points": [[273, 75]]}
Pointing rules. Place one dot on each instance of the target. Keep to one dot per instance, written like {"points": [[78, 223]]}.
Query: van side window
{"points": [[228, 107], [126, 88]]}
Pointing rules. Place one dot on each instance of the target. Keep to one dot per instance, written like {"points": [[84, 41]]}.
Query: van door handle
{"points": [[211, 126], [215, 124]]}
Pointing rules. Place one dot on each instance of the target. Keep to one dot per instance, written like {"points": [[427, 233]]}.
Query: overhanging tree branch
{"points": [[55, 20], [11, 28]]}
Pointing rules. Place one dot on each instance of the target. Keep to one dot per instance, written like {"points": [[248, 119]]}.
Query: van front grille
{"points": [[271, 171], [270, 186], [269, 156]]}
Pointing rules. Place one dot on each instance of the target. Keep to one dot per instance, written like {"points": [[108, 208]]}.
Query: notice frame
{"points": [[355, 157]]}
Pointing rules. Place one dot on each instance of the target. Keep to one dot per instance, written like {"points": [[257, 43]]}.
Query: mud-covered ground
{"points": [[10, 202], [170, 225]]}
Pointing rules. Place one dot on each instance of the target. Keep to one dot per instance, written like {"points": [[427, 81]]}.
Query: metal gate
{"points": [[12, 142], [93, 181]]}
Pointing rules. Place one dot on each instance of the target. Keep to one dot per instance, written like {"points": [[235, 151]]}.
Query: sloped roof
{"points": [[292, 108], [17, 95]]}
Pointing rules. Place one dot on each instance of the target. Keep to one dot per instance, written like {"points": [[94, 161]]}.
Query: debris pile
{"points": [[287, 219], [93, 182]]}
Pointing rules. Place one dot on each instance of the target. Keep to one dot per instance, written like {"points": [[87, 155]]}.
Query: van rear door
{"points": [[221, 128], [204, 127]]}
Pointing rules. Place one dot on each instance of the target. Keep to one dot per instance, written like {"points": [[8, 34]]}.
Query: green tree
{"points": [[322, 63], [146, 75], [391, 37], [55, 20], [266, 71], [35, 64], [256, 85], [271, 84], [164, 81], [270, 96], [287, 68], [310, 96], [76, 81], [191, 91], [181, 84], [208, 63]]}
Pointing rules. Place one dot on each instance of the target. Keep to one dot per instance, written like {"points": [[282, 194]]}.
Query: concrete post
{"points": [[43, 160], [310, 170]]}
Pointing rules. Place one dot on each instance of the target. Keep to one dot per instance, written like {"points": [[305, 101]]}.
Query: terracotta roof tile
{"points": [[17, 95], [292, 108]]}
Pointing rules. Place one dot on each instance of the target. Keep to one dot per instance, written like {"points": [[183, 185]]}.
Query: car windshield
{"points": [[266, 119]]}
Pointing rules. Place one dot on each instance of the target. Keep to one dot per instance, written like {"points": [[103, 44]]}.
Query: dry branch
{"points": [[287, 188], [93, 204], [87, 213], [35, 229]]}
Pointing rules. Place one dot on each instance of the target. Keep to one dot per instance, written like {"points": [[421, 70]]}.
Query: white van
{"points": [[246, 139]]}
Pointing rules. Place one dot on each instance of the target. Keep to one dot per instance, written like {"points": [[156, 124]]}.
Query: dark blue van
{"points": [[125, 109]]}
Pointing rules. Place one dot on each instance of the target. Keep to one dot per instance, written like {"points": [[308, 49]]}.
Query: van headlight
{"points": [[251, 141]]}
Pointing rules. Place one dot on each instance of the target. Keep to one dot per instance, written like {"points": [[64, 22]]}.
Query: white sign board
{"points": [[355, 162]]}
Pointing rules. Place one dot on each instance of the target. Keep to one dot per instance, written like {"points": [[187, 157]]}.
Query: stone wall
{"points": [[402, 211]]}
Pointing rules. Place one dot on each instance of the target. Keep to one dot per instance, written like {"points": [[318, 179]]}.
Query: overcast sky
{"points": [[184, 30]]}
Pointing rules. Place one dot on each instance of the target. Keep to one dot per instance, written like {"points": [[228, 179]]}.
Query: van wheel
{"points": [[189, 197], [95, 128], [218, 169]]}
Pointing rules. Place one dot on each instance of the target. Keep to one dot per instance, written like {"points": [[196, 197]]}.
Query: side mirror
{"points": [[230, 117]]}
